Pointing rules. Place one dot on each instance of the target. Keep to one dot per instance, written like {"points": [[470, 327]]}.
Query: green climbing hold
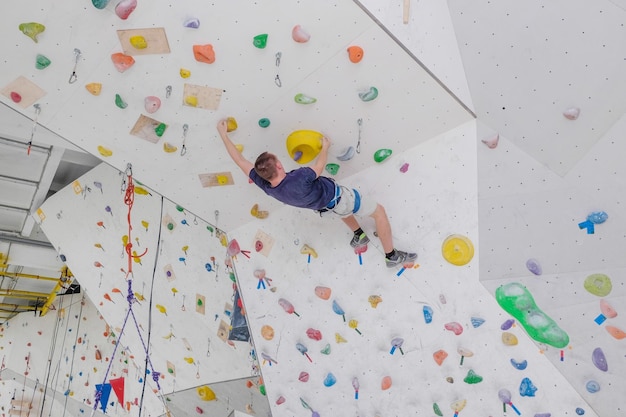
{"points": [[598, 284], [232, 277], [437, 410], [170, 370], [180, 208], [42, 62], [325, 350], [515, 299], [210, 229], [260, 41], [332, 169], [472, 377], [264, 122], [100, 4], [170, 226], [382, 154], [199, 302], [160, 129], [262, 389], [119, 102], [304, 99], [32, 29], [369, 95]]}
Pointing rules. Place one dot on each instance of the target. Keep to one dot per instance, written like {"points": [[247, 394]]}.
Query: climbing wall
{"points": [[242, 82], [137, 249], [575, 272], [51, 365], [429, 339], [529, 63]]}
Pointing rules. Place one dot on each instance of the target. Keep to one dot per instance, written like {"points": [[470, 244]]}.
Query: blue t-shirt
{"points": [[300, 188]]}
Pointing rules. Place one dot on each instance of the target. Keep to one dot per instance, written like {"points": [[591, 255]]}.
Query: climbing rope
{"points": [[129, 198]]}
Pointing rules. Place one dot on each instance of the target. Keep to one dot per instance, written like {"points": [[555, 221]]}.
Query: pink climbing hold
{"points": [[124, 8], [314, 334], [303, 377], [16, 97], [454, 327], [280, 400], [607, 309], [300, 35], [152, 104]]}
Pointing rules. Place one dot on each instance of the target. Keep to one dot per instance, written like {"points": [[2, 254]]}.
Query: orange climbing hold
{"points": [[355, 53], [94, 88], [323, 292], [204, 53], [385, 384], [440, 356], [619, 334], [122, 62]]}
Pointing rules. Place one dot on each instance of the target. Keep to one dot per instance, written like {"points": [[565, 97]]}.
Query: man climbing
{"points": [[305, 187]]}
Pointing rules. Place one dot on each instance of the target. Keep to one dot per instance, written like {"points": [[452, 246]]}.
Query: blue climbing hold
{"points": [[593, 386], [428, 314], [527, 388], [519, 365], [477, 321], [597, 217], [330, 380]]}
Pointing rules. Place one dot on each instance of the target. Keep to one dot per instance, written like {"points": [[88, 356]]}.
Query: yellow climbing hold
{"points": [[191, 101], [189, 360], [141, 191], [169, 148], [185, 73], [239, 147], [339, 338], [94, 88], [32, 29], [374, 300], [509, 339], [307, 250], [138, 42], [259, 214], [221, 179], [161, 308], [205, 393], [104, 151], [457, 249], [231, 124]]}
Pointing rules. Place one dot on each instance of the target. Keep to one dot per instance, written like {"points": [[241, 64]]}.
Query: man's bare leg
{"points": [[351, 222], [383, 228]]}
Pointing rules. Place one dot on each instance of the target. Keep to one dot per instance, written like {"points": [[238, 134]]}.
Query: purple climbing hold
{"points": [[534, 266], [599, 360], [507, 324], [192, 23]]}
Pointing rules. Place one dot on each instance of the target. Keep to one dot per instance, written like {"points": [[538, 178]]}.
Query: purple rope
{"points": [[155, 375]]}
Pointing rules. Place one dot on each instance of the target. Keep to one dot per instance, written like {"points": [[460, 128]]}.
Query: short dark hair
{"points": [[265, 166]]}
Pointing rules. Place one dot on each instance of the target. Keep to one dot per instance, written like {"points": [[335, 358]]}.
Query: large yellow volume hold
{"points": [[457, 249]]}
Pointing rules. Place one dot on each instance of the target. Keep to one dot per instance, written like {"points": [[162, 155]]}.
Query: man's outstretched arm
{"points": [[322, 158], [234, 154]]}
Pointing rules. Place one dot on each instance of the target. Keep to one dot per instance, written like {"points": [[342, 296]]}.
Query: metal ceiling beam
{"points": [[28, 276], [12, 237], [23, 294]]}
